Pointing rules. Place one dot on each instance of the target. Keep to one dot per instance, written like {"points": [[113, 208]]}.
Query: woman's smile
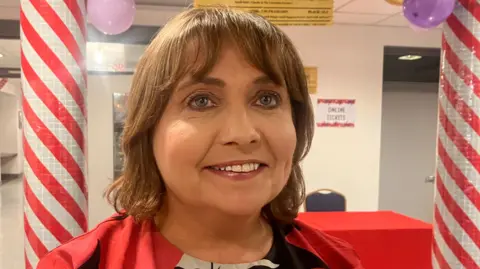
{"points": [[238, 170]]}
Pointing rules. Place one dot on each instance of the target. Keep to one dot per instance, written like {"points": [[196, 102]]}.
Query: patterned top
{"points": [[121, 243]]}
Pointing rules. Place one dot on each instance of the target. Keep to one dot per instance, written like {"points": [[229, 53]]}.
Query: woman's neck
{"points": [[214, 236]]}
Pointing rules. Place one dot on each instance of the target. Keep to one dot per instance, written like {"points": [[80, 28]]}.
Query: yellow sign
{"points": [[395, 2], [312, 75], [282, 12]]}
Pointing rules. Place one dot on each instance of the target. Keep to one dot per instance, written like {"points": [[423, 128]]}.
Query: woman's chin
{"points": [[240, 209]]}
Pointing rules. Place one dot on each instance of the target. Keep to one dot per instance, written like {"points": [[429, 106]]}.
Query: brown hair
{"points": [[168, 59]]}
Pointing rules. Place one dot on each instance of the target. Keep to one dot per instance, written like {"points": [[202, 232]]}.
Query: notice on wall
{"points": [[282, 12], [312, 75], [335, 113]]}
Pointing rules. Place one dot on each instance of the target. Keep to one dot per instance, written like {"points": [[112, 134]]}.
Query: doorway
{"points": [[409, 130]]}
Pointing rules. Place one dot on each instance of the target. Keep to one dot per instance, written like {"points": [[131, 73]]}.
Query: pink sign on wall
{"points": [[335, 113]]}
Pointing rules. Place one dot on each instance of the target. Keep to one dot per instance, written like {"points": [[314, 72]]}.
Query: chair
{"points": [[325, 200]]}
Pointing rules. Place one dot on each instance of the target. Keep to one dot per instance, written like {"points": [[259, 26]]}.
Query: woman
{"points": [[219, 119]]}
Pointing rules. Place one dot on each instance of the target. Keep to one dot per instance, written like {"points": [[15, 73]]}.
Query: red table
{"points": [[382, 239]]}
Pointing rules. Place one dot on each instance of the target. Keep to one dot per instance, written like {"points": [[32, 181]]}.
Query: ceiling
{"points": [[364, 12]]}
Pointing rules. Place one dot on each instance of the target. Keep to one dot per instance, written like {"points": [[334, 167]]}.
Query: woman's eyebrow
{"points": [[262, 80], [212, 81]]}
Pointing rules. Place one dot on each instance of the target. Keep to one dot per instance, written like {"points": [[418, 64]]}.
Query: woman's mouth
{"points": [[238, 168], [239, 171]]}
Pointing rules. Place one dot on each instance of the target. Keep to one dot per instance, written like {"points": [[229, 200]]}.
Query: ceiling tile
{"points": [[395, 20], [183, 3], [399, 20], [370, 7], [339, 3], [351, 18]]}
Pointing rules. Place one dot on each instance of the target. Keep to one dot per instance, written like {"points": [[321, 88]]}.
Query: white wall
{"points": [[8, 123], [11, 134], [350, 64], [100, 140]]}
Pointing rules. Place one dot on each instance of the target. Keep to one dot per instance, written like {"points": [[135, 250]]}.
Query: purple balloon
{"points": [[111, 17], [427, 13]]}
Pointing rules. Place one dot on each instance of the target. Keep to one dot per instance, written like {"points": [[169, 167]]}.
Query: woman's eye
{"points": [[268, 100], [200, 102]]}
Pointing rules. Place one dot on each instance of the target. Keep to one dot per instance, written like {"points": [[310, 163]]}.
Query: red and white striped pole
{"points": [[53, 41], [457, 202]]}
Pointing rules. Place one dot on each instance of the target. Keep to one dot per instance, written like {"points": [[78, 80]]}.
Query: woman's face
{"points": [[226, 141]]}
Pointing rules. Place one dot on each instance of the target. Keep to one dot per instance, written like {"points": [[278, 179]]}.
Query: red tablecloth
{"points": [[382, 239]]}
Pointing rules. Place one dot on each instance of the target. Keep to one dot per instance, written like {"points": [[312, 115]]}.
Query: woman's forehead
{"points": [[199, 66]]}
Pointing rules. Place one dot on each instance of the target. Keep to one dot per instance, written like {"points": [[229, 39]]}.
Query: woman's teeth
{"points": [[239, 168]]}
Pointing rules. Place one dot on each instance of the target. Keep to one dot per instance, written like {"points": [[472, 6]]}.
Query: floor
{"points": [[11, 224]]}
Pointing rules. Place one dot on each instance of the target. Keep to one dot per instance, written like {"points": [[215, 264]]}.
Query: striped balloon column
{"points": [[53, 42], [457, 201]]}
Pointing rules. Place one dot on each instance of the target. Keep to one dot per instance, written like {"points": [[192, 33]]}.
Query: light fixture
{"points": [[1, 55], [14, 72], [410, 57], [99, 57]]}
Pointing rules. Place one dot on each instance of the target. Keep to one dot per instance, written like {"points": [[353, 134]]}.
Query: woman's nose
{"points": [[239, 129]]}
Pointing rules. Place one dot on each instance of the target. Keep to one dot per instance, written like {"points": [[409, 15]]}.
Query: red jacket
{"points": [[121, 243]]}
